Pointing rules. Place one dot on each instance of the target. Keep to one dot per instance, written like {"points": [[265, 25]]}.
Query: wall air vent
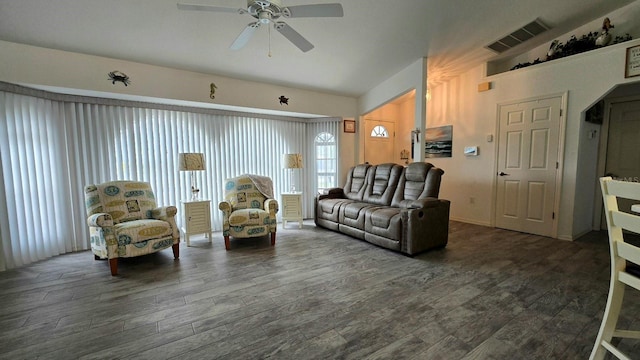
{"points": [[519, 36]]}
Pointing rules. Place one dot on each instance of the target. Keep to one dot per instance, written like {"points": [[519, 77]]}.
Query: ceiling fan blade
{"points": [[318, 10], [244, 36], [293, 36], [197, 7]]}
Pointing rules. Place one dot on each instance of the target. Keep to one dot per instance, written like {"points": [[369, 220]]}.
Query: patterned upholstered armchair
{"points": [[249, 209], [124, 221]]}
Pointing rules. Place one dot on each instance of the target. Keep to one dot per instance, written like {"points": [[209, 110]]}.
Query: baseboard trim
{"points": [[574, 237], [469, 221], [482, 223]]}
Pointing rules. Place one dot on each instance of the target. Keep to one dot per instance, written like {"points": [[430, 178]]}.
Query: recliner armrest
{"points": [[100, 220], [424, 203], [333, 193], [164, 212]]}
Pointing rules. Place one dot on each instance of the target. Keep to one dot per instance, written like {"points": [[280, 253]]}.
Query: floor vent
{"points": [[519, 36]]}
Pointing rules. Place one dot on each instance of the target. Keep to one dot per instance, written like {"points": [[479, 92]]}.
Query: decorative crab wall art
{"points": [[118, 76]]}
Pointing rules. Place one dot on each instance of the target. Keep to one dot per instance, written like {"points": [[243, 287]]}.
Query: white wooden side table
{"points": [[197, 218], [292, 208]]}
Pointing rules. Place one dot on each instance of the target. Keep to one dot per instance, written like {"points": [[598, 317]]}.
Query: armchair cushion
{"points": [[123, 200], [138, 231], [252, 217], [247, 191]]}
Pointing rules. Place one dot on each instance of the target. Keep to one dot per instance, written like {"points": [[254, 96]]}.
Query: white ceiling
{"points": [[374, 40]]}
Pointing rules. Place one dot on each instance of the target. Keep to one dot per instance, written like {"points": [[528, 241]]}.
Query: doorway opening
{"points": [[618, 150], [386, 131]]}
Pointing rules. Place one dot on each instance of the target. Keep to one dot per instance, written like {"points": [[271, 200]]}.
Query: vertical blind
{"points": [[51, 149]]}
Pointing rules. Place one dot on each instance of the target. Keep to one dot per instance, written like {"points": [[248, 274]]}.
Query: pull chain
{"points": [[269, 40]]}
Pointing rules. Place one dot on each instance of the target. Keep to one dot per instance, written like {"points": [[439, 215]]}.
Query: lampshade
{"points": [[292, 161], [191, 161]]}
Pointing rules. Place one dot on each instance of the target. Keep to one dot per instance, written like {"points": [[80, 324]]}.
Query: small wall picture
{"points": [[470, 151], [349, 126], [438, 142], [632, 67]]}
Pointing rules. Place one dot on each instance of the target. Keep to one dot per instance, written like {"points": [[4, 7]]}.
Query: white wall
{"points": [[585, 78], [87, 75]]}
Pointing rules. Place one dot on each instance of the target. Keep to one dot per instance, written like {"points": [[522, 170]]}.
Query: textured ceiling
{"points": [[374, 40]]}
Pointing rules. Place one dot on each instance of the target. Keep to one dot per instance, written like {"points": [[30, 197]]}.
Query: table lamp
{"points": [[192, 162], [292, 161]]}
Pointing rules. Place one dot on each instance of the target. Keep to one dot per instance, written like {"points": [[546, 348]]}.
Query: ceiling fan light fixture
{"points": [[264, 17]]}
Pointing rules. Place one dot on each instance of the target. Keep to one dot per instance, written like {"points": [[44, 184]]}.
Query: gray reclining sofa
{"points": [[388, 205]]}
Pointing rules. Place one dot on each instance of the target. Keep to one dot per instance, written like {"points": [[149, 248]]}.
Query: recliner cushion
{"points": [[356, 182], [352, 214], [385, 222], [329, 209], [418, 181], [382, 182]]}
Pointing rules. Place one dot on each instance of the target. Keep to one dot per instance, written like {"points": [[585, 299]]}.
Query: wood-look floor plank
{"points": [[490, 294]]}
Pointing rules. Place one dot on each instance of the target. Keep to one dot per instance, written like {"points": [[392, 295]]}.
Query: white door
{"points": [[379, 137], [528, 145], [623, 150]]}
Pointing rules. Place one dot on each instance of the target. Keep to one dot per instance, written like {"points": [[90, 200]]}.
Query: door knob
{"points": [[503, 174]]}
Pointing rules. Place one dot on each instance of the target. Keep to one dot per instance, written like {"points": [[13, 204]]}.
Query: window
{"points": [[380, 132], [326, 160]]}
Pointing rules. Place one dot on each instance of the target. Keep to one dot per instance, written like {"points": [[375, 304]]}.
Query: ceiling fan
{"points": [[269, 12]]}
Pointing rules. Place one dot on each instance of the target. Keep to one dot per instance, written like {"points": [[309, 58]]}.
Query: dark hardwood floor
{"points": [[490, 294]]}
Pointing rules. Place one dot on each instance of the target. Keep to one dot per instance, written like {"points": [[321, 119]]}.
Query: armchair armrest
{"points": [[271, 205], [100, 220], [164, 212], [168, 214], [333, 193], [225, 207]]}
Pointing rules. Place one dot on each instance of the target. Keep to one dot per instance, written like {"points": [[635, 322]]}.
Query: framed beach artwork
{"points": [[438, 142]]}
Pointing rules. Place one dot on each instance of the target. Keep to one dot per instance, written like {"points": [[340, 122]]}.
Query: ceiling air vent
{"points": [[519, 36]]}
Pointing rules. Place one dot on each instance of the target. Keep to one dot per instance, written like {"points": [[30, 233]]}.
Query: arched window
{"points": [[380, 132], [326, 160]]}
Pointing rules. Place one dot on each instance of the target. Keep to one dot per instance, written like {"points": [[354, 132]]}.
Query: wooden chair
{"points": [[624, 263]]}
